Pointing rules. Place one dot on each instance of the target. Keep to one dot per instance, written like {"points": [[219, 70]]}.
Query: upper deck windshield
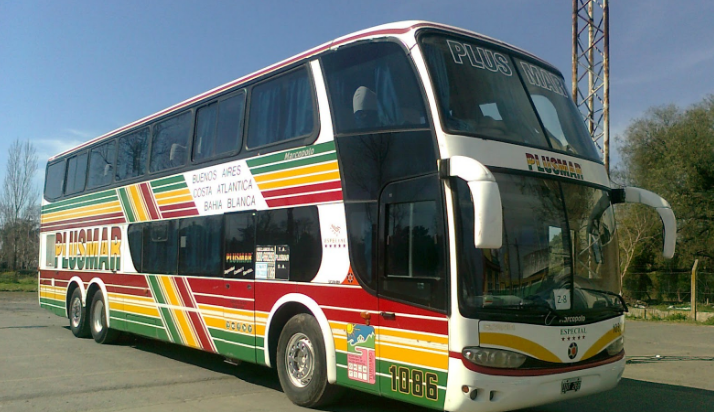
{"points": [[486, 92], [559, 253]]}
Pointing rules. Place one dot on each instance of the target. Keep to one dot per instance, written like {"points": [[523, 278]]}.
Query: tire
{"points": [[77, 315], [98, 321], [302, 368]]}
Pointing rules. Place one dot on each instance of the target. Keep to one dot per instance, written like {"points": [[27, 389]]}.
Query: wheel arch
{"points": [[283, 310], [97, 285], [74, 283]]}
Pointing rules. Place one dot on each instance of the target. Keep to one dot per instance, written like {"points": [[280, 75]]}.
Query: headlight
{"points": [[616, 347], [493, 358]]}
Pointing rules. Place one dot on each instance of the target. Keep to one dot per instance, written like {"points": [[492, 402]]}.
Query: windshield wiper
{"points": [[535, 302], [607, 292]]}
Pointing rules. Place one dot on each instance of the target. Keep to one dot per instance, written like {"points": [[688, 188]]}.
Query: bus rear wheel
{"points": [[302, 365], [78, 315], [98, 321]]}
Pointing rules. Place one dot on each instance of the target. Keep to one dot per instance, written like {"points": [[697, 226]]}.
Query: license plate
{"points": [[568, 385]]}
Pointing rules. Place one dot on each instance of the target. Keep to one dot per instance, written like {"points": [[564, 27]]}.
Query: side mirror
{"points": [[488, 213], [645, 197]]}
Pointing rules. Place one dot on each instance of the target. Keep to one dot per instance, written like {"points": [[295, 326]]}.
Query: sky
{"points": [[74, 70]]}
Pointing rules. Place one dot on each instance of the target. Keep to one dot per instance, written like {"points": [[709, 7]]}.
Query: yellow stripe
{"points": [[88, 211], [322, 177], [172, 193], [298, 171], [601, 343], [408, 355], [140, 310], [137, 203], [180, 316], [415, 336], [519, 344], [174, 200]]}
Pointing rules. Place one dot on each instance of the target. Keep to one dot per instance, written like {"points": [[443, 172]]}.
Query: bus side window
{"points": [[288, 244], [131, 155], [76, 174], [160, 247], [169, 142], [200, 246], [219, 128], [101, 165], [281, 108], [413, 243]]}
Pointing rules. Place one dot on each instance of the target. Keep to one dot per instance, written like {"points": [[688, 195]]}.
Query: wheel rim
{"points": [[76, 312], [97, 316], [300, 360]]}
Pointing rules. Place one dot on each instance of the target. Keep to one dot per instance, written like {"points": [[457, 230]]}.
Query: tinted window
{"points": [[372, 86], [135, 234], [101, 165], [200, 246], [54, 181], [281, 109], [131, 157], [76, 173], [160, 247], [169, 142], [288, 244], [239, 246], [218, 128]]}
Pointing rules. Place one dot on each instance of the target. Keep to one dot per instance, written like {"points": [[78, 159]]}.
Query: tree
{"points": [[671, 152], [19, 208]]}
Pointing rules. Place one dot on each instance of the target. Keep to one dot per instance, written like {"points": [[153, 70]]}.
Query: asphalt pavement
{"points": [[44, 368]]}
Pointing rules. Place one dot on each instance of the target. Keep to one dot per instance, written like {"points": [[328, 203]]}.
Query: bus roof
{"points": [[390, 29]]}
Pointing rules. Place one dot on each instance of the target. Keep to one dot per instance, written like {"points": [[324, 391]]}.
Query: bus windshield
{"points": [[559, 252], [480, 91]]}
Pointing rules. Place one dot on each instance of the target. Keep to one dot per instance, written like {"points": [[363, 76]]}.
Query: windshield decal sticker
{"points": [[551, 165], [544, 79], [480, 58]]}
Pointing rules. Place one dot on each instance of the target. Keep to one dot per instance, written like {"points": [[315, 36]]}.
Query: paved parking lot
{"points": [[44, 368]]}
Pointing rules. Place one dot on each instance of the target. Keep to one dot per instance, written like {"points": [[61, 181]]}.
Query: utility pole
{"points": [[591, 70], [694, 290]]}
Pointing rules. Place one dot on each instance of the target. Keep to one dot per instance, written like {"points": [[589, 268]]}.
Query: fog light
{"points": [[616, 347], [493, 358]]}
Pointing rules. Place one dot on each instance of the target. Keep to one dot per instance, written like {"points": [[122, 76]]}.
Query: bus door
{"points": [[412, 342], [239, 332]]}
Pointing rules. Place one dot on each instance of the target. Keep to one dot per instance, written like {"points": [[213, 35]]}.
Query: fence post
{"points": [[694, 290]]}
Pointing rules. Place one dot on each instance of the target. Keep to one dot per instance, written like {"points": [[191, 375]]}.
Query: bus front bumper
{"points": [[494, 393]]}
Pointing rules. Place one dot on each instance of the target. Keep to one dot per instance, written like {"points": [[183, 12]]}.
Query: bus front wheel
{"points": [[302, 368], [78, 315], [98, 321]]}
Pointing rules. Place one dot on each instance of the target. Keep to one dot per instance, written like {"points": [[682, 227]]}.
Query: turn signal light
{"points": [[616, 347], [493, 358]]}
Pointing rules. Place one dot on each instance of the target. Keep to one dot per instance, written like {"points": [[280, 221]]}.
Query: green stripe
{"points": [[126, 205], [279, 157], [87, 198], [232, 337], [235, 351], [156, 289], [167, 181], [57, 311], [295, 163], [169, 321], [52, 302], [169, 188], [60, 207]]}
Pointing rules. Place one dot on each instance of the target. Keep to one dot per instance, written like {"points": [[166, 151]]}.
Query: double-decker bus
{"points": [[414, 210]]}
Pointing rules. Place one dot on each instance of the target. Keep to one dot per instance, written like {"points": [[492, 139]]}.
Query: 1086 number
{"points": [[414, 382]]}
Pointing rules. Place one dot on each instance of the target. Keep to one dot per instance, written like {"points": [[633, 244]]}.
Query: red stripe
{"points": [[183, 291], [303, 189], [201, 332], [85, 219], [129, 291], [149, 200], [175, 206], [533, 372], [180, 213], [78, 225], [305, 199]]}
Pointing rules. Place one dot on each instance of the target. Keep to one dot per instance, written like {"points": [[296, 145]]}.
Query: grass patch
{"points": [[15, 282]]}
